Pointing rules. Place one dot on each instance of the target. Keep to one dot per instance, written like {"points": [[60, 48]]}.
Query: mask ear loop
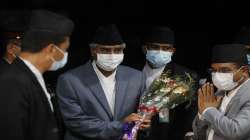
{"points": [[242, 78], [60, 50]]}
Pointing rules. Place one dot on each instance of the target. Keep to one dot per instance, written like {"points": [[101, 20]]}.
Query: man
{"points": [[243, 37], [28, 112], [159, 49], [225, 116], [11, 48], [12, 27], [100, 97]]}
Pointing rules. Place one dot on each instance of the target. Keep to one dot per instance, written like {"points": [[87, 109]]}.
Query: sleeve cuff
{"points": [[204, 111], [201, 116]]}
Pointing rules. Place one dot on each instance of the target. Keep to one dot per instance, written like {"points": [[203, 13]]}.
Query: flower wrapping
{"points": [[168, 91]]}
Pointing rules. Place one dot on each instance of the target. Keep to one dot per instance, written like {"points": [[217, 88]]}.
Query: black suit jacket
{"points": [[3, 64], [25, 113]]}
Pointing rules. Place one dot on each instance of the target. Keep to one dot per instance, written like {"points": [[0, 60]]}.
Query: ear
{"points": [[9, 48], [49, 49], [92, 51], [245, 71], [174, 49]]}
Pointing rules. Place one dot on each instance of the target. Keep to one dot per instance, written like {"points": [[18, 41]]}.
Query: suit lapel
{"points": [[121, 86], [237, 97], [21, 65], [93, 82]]}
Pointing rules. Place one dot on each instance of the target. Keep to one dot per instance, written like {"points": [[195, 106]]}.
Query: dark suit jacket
{"points": [[25, 112], [180, 117], [3, 64], [84, 106]]}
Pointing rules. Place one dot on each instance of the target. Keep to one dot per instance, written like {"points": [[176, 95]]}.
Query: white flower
{"points": [[165, 90], [149, 102], [157, 98], [165, 100], [174, 105]]}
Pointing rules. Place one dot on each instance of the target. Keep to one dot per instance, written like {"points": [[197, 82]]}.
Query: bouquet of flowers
{"points": [[168, 91]]}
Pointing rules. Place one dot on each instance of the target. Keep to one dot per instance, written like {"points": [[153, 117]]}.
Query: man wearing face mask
{"points": [[159, 49], [12, 28], [226, 116], [100, 97], [27, 109]]}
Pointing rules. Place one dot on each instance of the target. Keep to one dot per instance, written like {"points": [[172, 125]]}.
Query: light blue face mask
{"points": [[159, 58], [248, 59]]}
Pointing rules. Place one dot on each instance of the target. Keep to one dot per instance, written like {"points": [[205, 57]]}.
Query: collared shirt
{"points": [[152, 74], [224, 103], [40, 79], [108, 86]]}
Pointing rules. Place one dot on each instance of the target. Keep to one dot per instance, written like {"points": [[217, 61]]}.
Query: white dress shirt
{"points": [[224, 103], [151, 74], [40, 79], [108, 86]]}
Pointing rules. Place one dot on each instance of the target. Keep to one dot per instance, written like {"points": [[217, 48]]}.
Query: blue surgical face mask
{"points": [[159, 58], [248, 59], [61, 63]]}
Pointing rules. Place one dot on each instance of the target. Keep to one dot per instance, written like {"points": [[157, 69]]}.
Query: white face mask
{"points": [[109, 62], [224, 81], [61, 63]]}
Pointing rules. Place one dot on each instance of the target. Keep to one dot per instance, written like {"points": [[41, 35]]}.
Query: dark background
{"points": [[198, 25]]}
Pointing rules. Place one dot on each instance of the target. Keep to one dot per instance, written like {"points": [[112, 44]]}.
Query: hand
{"points": [[136, 117], [206, 97], [146, 122], [132, 118]]}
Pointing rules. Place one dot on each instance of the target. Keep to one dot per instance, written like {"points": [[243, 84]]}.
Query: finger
{"points": [[203, 89], [136, 118], [204, 93], [200, 94], [212, 92], [212, 88], [218, 98], [208, 92], [133, 118], [137, 115], [147, 121], [200, 97], [144, 126]]}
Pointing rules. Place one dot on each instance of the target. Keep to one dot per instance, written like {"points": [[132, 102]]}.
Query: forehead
{"points": [[159, 45], [110, 46], [224, 65]]}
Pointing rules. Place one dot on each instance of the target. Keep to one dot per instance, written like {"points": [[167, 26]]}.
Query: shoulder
{"points": [[78, 71], [245, 92], [180, 69], [129, 71], [14, 75]]}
